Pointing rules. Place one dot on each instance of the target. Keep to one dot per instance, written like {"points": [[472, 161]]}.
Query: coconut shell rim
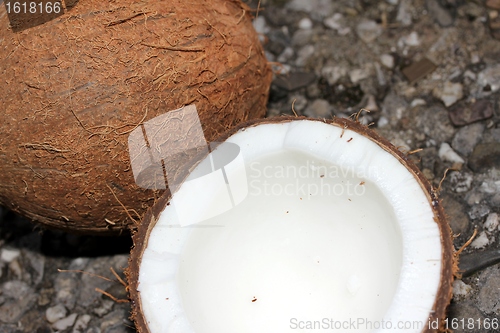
{"points": [[449, 261]]}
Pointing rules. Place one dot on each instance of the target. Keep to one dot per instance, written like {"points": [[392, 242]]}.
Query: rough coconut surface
{"points": [[448, 264], [75, 87]]}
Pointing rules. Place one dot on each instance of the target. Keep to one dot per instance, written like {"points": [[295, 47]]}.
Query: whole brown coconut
{"points": [[72, 89]]}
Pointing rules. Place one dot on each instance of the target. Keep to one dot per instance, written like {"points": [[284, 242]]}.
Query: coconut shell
{"points": [[449, 260], [73, 88]]}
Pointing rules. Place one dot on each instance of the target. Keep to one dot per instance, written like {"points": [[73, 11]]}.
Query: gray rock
{"points": [[457, 216], [460, 181], [19, 298], [434, 122], [81, 323], [489, 294], [449, 93], [467, 138], [304, 54], [65, 323], [479, 211], [387, 60], [446, 153], [319, 108], [55, 313], [115, 322], [368, 30], [442, 16], [404, 13], [8, 255], [394, 107], [305, 23], [485, 157], [317, 8]]}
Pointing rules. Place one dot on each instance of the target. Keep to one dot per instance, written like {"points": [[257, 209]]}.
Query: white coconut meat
{"points": [[319, 228]]}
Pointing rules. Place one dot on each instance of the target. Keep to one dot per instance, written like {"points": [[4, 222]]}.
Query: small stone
{"points": [[317, 8], [442, 16], [55, 313], [305, 23], [417, 102], [467, 138], [491, 222], [464, 113], [320, 108], [418, 70], [489, 290], [304, 54], [65, 323], [387, 60], [461, 181], [260, 25], [358, 74], [458, 219], [449, 93], [494, 4], [489, 79], [105, 308], [434, 122], [479, 211], [333, 73], [335, 22], [81, 323], [446, 153], [460, 288], [294, 81], [371, 104], [18, 299], [485, 157], [286, 55], [412, 39], [404, 13], [480, 241], [9, 255], [368, 30]]}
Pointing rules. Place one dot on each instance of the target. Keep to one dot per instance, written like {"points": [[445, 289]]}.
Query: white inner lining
{"points": [[415, 292]]}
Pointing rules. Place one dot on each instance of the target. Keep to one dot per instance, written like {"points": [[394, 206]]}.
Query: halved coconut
{"points": [[298, 224]]}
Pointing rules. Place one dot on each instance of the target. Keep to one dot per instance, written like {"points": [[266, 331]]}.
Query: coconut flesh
{"points": [[313, 226]]}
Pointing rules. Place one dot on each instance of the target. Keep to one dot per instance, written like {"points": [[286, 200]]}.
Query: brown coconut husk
{"points": [[449, 257], [73, 88]]}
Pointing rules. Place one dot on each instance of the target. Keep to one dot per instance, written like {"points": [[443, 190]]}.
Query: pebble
{"points": [[81, 323], [461, 181], [485, 157], [19, 297], [449, 93], [479, 211], [467, 138], [412, 39], [491, 223], [387, 60], [317, 8], [55, 313], [481, 241], [440, 15], [404, 13], [319, 108], [333, 73], [358, 74], [294, 81], [368, 30], [489, 292], [490, 187], [371, 104], [489, 77], [335, 22], [446, 153], [286, 55], [464, 113], [417, 102], [393, 108], [434, 122], [260, 25], [460, 288], [494, 4], [304, 54], [457, 216], [305, 23], [9, 255], [65, 323]]}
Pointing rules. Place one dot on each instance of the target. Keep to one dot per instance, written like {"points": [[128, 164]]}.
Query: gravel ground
{"points": [[429, 72]]}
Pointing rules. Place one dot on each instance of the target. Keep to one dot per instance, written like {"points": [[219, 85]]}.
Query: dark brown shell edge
{"points": [[449, 260]]}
